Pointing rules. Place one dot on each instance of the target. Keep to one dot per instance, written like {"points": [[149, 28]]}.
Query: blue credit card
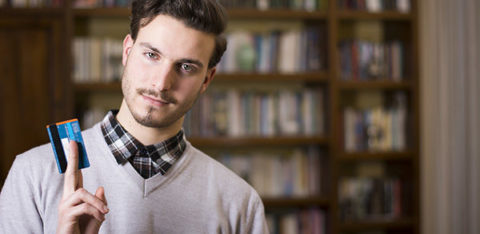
{"points": [[60, 135]]}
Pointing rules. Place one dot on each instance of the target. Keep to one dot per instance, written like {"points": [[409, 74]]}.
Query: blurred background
{"points": [[347, 116]]}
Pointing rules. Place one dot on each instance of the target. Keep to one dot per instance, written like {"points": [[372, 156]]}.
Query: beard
{"points": [[152, 116]]}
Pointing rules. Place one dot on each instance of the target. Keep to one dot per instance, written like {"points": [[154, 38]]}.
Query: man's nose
{"points": [[163, 76]]}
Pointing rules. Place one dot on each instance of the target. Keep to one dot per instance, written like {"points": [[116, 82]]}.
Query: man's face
{"points": [[166, 69]]}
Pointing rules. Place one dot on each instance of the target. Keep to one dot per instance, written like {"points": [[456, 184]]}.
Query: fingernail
{"points": [[105, 209]]}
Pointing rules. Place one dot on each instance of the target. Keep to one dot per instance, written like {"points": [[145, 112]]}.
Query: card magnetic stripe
{"points": [[57, 145]]}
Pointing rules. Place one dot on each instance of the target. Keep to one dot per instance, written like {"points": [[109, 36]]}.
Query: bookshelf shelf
{"points": [[381, 84], [296, 202], [97, 87], [387, 156], [257, 141], [317, 77], [43, 11], [396, 224], [364, 15]]}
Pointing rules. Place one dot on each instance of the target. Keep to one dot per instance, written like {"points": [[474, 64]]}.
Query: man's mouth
{"points": [[156, 99]]}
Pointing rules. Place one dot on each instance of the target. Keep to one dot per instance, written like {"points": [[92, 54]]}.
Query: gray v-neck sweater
{"points": [[197, 195]]}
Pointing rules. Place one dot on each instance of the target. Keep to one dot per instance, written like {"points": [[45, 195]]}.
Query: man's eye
{"points": [[187, 67], [151, 55]]}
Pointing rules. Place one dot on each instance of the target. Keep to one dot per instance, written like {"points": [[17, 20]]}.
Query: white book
{"points": [[235, 128], [310, 5], [229, 56], [287, 113], [88, 66], [84, 60], [403, 6], [374, 5], [77, 49], [95, 59], [19, 3], [289, 52], [265, 54], [263, 4]]}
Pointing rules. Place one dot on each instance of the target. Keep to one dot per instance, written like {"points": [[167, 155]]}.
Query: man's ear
{"points": [[208, 78], [127, 47]]}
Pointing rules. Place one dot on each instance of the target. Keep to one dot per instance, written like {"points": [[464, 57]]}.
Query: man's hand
{"points": [[79, 211]]}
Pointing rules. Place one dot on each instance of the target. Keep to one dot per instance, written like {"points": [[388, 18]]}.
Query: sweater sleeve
{"points": [[18, 207], [258, 224]]}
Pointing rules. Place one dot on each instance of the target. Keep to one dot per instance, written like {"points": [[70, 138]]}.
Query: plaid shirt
{"points": [[147, 160]]}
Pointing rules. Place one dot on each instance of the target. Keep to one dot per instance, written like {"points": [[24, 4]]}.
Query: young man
{"points": [[148, 178]]}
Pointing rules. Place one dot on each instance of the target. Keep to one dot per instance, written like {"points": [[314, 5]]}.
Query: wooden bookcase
{"points": [[403, 163]]}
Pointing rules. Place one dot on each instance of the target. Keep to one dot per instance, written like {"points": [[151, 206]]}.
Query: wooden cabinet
{"points": [[34, 85]]}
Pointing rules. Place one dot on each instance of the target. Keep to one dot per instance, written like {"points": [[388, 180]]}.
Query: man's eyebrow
{"points": [[147, 45], [194, 61]]}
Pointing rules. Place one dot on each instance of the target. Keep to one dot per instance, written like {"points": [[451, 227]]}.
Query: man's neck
{"points": [[146, 135]]}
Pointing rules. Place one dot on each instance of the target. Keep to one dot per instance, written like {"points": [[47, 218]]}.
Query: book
{"points": [[365, 60], [97, 60], [234, 112], [370, 198], [287, 51], [376, 128], [295, 173]]}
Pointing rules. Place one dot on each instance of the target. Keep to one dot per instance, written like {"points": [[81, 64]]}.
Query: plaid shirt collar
{"points": [[123, 145]]}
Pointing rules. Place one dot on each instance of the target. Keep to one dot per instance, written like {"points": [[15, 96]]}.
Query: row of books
{"points": [[101, 3], [306, 221], [31, 3], [97, 59], [370, 198], [287, 173], [376, 129], [375, 5], [308, 5], [364, 60], [236, 112], [275, 51]]}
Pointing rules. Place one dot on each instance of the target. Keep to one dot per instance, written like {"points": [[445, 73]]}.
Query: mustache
{"points": [[162, 95]]}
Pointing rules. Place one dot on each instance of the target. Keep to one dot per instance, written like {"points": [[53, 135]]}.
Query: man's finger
{"points": [[83, 196], [100, 193], [71, 174]]}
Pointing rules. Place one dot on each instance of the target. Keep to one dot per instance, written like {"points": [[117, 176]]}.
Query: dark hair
{"points": [[204, 15]]}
